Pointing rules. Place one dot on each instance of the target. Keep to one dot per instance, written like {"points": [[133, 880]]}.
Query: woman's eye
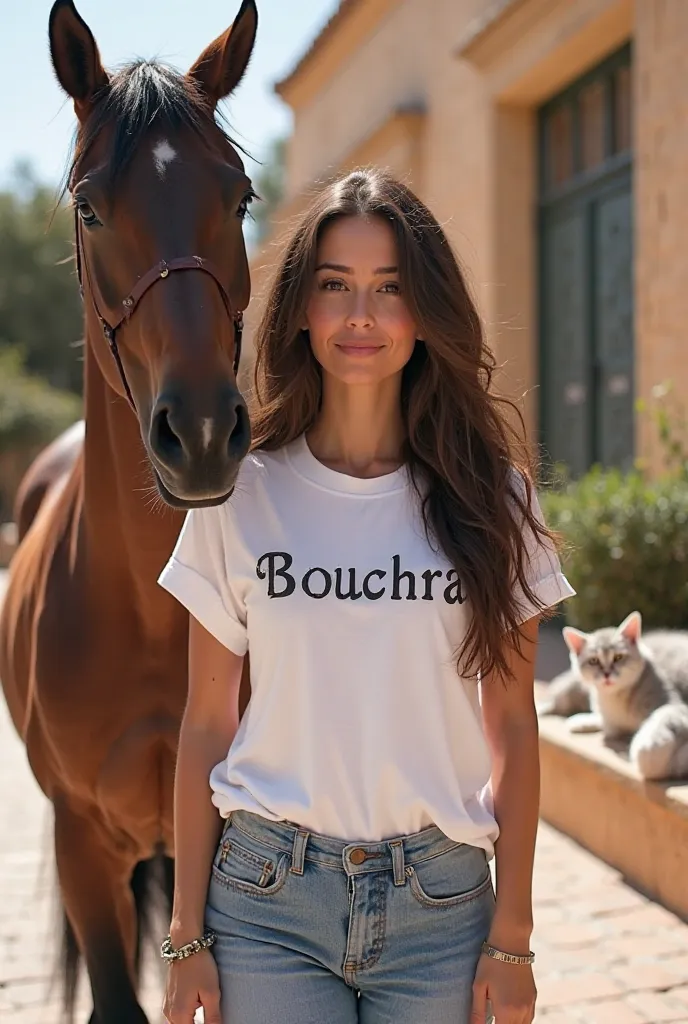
{"points": [[333, 286], [86, 212], [393, 287]]}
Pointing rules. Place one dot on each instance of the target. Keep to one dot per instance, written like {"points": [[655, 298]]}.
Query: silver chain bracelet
{"points": [[168, 953]]}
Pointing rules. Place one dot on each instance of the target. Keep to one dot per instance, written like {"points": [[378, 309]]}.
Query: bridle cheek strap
{"points": [[159, 272]]}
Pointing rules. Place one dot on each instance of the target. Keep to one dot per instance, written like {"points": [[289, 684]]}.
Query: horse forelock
{"points": [[140, 95]]}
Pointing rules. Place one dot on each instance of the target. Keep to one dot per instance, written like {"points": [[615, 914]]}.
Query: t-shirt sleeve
{"points": [[198, 574], [542, 566]]}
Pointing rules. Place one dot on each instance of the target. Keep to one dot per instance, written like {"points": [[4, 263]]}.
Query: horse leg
{"points": [[97, 897]]}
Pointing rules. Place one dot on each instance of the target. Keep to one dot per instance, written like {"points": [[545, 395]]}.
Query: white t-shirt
{"points": [[358, 725]]}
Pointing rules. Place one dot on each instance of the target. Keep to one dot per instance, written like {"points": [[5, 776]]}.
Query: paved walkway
{"points": [[605, 955]]}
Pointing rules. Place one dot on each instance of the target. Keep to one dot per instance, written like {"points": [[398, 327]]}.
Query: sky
{"points": [[37, 120]]}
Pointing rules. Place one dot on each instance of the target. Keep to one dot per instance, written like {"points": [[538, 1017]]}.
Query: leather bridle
{"points": [[159, 272]]}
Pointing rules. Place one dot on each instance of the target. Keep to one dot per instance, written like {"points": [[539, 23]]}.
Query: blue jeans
{"points": [[313, 930]]}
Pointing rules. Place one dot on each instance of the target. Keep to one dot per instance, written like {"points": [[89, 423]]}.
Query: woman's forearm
{"points": [[516, 792], [197, 827]]}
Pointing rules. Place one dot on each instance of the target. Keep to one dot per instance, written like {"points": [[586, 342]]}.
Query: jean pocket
{"points": [[457, 876], [248, 867]]}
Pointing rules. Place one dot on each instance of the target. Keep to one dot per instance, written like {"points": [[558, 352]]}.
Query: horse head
{"points": [[160, 192]]}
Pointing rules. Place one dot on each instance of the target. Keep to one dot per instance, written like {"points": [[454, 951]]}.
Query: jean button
{"points": [[357, 856]]}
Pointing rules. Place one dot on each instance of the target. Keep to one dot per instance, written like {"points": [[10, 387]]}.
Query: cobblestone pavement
{"points": [[605, 954]]}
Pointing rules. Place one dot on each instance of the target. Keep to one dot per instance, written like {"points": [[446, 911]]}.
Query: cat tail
{"points": [[659, 749]]}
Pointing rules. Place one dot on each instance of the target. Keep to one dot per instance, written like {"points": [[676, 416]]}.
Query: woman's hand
{"points": [[193, 983], [510, 989]]}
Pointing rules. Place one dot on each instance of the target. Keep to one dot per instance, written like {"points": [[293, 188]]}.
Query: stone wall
{"points": [[661, 203]]}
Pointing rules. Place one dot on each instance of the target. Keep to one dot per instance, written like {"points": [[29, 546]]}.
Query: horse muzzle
{"points": [[196, 455]]}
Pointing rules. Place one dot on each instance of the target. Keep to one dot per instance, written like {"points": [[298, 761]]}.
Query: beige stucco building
{"points": [[550, 138]]}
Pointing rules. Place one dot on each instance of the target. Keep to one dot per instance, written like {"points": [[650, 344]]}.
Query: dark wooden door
{"points": [[586, 271]]}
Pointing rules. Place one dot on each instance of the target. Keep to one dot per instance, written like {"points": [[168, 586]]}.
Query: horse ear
{"points": [[75, 56], [221, 66]]}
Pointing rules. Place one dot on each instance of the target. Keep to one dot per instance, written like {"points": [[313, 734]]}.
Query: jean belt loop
{"points": [[398, 867], [299, 851]]}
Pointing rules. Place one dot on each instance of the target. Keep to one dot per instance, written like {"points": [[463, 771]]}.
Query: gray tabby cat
{"points": [[629, 687]]}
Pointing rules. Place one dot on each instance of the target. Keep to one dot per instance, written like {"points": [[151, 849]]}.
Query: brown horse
{"points": [[93, 653]]}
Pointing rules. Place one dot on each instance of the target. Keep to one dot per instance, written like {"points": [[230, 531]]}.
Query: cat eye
{"points": [[618, 657], [593, 661]]}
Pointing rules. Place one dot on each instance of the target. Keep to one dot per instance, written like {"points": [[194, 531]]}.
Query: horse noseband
{"points": [[159, 272]]}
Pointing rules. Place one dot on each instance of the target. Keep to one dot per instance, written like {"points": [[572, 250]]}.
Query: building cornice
{"points": [[352, 23]]}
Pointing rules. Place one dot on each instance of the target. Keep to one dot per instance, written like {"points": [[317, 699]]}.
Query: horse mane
{"points": [[140, 94], [56, 521]]}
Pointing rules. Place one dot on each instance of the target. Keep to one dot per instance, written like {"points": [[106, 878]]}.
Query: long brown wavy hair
{"points": [[461, 447]]}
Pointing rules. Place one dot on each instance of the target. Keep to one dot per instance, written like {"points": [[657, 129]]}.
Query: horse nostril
{"points": [[240, 437], [165, 442]]}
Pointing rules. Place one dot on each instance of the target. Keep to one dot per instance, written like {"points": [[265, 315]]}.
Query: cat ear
{"points": [[575, 639], [631, 627]]}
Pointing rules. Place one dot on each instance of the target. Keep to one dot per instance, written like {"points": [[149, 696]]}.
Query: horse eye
{"points": [[86, 212], [244, 205]]}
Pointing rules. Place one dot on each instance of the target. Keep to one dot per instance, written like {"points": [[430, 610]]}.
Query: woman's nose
{"points": [[360, 313]]}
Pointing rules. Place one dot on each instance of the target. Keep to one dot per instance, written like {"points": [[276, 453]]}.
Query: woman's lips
{"points": [[352, 349]]}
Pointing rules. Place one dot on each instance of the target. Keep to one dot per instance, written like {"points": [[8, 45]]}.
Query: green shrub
{"points": [[31, 411], [625, 535], [625, 547]]}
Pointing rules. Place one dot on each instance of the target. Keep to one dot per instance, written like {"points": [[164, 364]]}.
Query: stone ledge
{"points": [[593, 795]]}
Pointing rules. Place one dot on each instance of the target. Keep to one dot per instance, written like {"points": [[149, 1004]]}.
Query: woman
{"points": [[384, 563]]}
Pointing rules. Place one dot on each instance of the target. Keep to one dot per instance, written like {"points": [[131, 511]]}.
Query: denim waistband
{"points": [[354, 858]]}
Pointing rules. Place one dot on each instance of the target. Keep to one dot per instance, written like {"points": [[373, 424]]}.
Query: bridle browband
{"points": [[159, 272]]}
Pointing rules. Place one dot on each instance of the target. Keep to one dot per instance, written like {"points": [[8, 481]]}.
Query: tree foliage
{"points": [[269, 185], [40, 310], [32, 412]]}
